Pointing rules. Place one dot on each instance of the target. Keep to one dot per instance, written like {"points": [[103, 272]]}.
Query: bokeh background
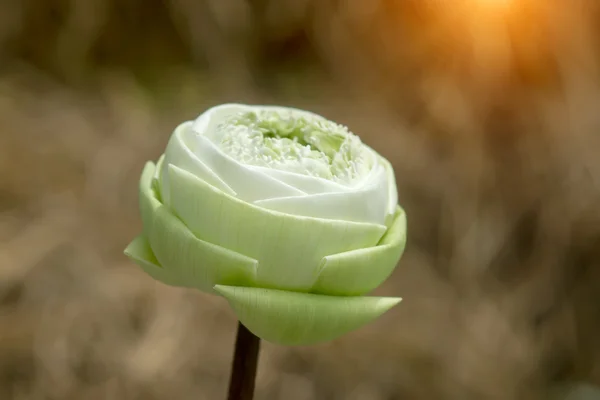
{"points": [[488, 109]]}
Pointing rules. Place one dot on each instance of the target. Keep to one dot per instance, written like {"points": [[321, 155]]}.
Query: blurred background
{"points": [[488, 110]]}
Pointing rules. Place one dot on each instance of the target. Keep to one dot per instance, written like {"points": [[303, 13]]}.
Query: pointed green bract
{"points": [[140, 252], [291, 318], [359, 271], [192, 262], [290, 248]]}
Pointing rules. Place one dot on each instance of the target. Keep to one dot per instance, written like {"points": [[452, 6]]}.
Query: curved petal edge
{"points": [[299, 319], [359, 271], [140, 252]]}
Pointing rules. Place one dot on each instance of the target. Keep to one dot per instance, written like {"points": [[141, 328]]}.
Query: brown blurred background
{"points": [[488, 109]]}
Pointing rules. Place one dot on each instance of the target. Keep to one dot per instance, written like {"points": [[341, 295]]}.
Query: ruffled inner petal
{"points": [[250, 185]]}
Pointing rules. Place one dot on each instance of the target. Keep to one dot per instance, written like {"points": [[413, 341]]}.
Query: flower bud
{"points": [[285, 214]]}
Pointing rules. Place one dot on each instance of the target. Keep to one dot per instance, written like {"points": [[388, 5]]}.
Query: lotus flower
{"points": [[287, 215]]}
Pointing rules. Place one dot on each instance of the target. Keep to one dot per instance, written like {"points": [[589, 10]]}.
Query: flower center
{"points": [[301, 143]]}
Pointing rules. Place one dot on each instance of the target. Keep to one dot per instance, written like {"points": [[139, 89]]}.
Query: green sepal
{"points": [[140, 252], [293, 318], [290, 248], [189, 261], [359, 271]]}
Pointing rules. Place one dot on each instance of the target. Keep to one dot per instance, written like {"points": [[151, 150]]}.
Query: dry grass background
{"points": [[490, 117]]}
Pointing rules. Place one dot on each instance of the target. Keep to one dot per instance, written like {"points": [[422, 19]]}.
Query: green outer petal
{"points": [[292, 318], [359, 271], [140, 252], [147, 197], [191, 261], [290, 248], [156, 178]]}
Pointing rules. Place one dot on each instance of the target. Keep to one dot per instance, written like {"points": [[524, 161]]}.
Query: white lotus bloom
{"points": [[281, 211]]}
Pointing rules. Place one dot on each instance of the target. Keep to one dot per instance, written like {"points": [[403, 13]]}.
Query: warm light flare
{"points": [[490, 5], [495, 2]]}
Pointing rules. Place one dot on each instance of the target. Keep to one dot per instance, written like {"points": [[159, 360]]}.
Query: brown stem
{"points": [[245, 360]]}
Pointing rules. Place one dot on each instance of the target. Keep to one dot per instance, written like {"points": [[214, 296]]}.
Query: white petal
{"points": [[308, 184], [249, 184], [369, 204], [179, 154], [286, 191], [391, 187]]}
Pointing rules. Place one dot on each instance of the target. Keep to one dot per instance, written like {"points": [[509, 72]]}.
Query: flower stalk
{"points": [[243, 367]]}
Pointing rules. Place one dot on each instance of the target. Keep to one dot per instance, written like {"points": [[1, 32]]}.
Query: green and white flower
{"points": [[285, 214]]}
